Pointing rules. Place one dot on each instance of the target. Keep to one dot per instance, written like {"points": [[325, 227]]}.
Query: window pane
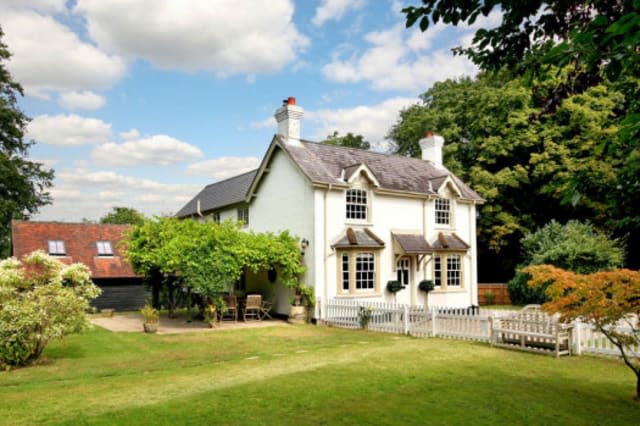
{"points": [[56, 247], [104, 248], [345, 272], [365, 271], [437, 271], [453, 270], [356, 204], [443, 208]]}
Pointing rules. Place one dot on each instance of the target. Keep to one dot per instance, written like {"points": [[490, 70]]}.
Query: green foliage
{"points": [[123, 216], [209, 257], [593, 43], [426, 285], [530, 169], [364, 316], [490, 297], [150, 314], [23, 183], [349, 140], [307, 294], [394, 286], [575, 247], [40, 299]]}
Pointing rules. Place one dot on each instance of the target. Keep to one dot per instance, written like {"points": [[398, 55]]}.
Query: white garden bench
{"points": [[533, 330]]}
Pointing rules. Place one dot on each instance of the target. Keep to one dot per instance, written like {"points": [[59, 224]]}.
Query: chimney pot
{"points": [[431, 146], [288, 117]]}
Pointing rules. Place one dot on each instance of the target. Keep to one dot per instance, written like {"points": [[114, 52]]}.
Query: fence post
{"points": [[434, 313], [406, 318], [578, 337]]}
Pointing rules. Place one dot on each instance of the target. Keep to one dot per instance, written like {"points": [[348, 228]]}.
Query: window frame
{"points": [[216, 217], [103, 252], [403, 271], [57, 244], [243, 216], [449, 278], [363, 266], [441, 213], [358, 200]]}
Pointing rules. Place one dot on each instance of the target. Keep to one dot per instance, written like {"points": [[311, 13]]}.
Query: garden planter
{"points": [[150, 327], [297, 314]]}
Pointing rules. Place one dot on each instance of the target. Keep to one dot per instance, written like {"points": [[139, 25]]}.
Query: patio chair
{"points": [[232, 308], [252, 307], [265, 308]]}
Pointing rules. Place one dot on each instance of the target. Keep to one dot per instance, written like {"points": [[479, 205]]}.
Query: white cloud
{"points": [[225, 36], [48, 163], [334, 10], [55, 6], [130, 134], [81, 100], [157, 149], [371, 121], [81, 193], [49, 56], [397, 60], [68, 130], [223, 167]]}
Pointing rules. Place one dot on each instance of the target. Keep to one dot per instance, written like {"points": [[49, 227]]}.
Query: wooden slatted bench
{"points": [[533, 330]]}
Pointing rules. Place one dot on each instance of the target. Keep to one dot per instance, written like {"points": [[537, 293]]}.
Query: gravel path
{"points": [[133, 323]]}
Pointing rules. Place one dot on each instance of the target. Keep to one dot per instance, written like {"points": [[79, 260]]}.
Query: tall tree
{"points": [[523, 164], [349, 140], [23, 183], [123, 216], [596, 41]]}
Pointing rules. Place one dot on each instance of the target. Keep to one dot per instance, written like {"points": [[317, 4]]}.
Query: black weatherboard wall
{"points": [[121, 294]]}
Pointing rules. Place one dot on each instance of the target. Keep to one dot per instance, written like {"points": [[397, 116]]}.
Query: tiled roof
{"points": [[220, 194], [80, 244], [412, 243], [364, 238], [324, 163], [449, 242]]}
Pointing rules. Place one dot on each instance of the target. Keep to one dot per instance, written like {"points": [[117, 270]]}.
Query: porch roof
{"points": [[359, 238], [412, 243]]}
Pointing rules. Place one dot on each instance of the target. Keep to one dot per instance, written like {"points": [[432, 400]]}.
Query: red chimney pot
{"points": [[429, 133], [291, 100]]}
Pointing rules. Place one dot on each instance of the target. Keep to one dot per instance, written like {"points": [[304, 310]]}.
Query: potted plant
{"points": [[303, 298], [151, 318], [213, 311], [426, 285]]}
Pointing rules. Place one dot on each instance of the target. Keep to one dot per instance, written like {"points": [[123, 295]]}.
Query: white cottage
{"points": [[364, 218]]}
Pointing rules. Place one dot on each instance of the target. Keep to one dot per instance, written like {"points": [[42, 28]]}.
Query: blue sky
{"points": [[142, 102]]}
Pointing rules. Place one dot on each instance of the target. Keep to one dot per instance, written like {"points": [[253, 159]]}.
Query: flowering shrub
{"points": [[40, 299]]}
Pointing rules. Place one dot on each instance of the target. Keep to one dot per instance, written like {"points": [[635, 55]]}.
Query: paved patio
{"points": [[132, 322]]}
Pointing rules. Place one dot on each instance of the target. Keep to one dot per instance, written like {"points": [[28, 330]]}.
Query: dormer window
{"points": [[104, 248], [443, 211], [56, 248], [357, 204]]}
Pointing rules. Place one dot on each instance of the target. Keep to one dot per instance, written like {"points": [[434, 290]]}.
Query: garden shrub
{"points": [[575, 247], [40, 299]]}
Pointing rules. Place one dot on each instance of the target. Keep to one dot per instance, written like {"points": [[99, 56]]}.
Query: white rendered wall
{"points": [[284, 201], [399, 215]]}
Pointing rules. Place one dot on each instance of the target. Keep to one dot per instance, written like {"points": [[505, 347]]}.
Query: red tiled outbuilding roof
{"points": [[80, 243]]}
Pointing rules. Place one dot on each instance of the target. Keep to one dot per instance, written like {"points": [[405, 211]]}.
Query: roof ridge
{"points": [[232, 177], [306, 141], [59, 222]]}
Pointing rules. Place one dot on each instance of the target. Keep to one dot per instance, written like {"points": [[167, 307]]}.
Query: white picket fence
{"points": [[456, 323]]}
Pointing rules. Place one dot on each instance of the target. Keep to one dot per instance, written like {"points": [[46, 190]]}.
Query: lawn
{"points": [[309, 375]]}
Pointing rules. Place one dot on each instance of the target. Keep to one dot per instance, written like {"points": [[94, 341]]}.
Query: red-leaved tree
{"points": [[610, 300]]}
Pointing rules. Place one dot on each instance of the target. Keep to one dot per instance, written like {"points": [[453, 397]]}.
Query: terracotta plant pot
{"points": [[108, 313]]}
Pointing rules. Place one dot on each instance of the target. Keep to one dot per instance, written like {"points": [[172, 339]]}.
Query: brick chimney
{"points": [[431, 146], [288, 117]]}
